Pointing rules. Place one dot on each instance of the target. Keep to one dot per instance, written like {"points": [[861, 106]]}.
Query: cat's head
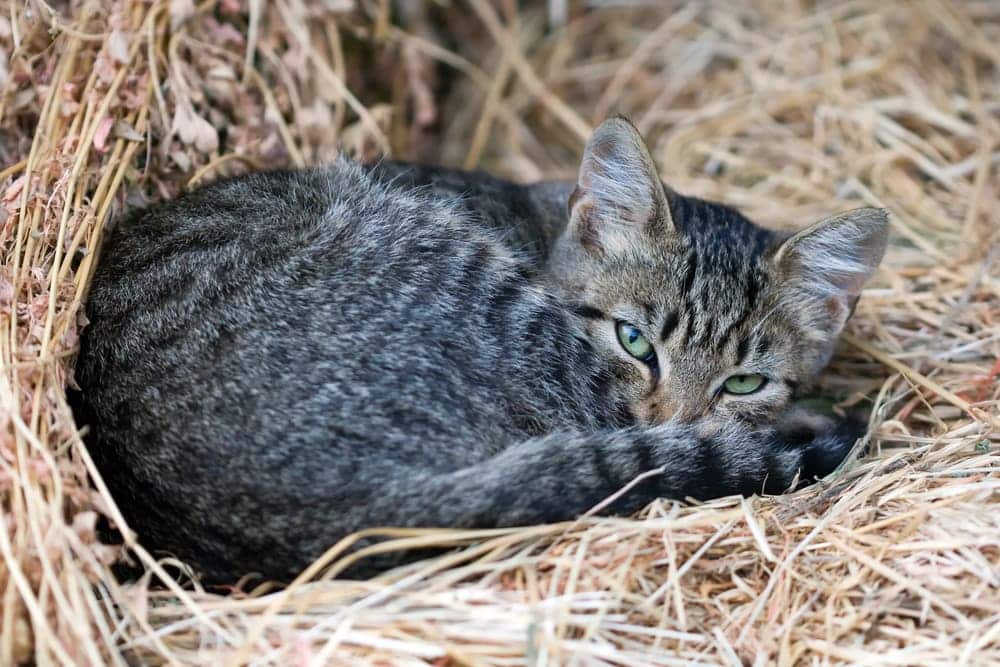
{"points": [[698, 311]]}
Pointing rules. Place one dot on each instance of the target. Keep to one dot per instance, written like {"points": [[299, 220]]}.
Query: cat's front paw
{"points": [[809, 446]]}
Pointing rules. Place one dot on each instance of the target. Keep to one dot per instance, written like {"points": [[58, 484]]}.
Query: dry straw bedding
{"points": [[785, 109]]}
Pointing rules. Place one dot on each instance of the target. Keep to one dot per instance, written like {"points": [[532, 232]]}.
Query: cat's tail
{"points": [[553, 478], [562, 475]]}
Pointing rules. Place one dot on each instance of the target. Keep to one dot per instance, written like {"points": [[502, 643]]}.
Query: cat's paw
{"points": [[809, 446]]}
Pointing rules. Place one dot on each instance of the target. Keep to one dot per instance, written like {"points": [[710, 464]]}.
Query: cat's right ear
{"points": [[823, 267], [619, 197]]}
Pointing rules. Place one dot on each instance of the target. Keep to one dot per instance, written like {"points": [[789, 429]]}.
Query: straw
{"points": [[789, 111]]}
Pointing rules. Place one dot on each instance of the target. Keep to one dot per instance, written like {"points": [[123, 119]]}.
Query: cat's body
{"points": [[276, 361], [527, 219]]}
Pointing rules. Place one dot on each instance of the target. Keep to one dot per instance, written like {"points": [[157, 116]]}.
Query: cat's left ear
{"points": [[826, 265], [619, 199]]}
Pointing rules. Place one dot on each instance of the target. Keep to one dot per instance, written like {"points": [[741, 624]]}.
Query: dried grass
{"points": [[786, 110]]}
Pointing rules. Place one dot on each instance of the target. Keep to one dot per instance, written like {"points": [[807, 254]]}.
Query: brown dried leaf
{"points": [[123, 130]]}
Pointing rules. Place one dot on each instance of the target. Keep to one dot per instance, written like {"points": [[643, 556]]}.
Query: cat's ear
{"points": [[619, 196], [825, 266]]}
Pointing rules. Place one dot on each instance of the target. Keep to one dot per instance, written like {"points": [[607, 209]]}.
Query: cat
{"points": [[277, 360]]}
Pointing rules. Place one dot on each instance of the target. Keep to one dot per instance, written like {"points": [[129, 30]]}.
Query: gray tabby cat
{"points": [[278, 360]]}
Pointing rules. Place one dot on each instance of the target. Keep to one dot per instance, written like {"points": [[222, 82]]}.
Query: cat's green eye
{"points": [[634, 342], [744, 384]]}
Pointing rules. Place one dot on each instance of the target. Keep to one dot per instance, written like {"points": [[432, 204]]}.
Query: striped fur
{"points": [[281, 359]]}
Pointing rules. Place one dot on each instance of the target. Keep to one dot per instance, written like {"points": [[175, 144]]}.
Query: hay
{"points": [[785, 110]]}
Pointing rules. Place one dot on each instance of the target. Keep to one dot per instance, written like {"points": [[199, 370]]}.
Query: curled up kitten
{"points": [[278, 360]]}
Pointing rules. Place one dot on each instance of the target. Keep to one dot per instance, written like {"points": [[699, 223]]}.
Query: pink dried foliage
{"points": [[194, 130], [180, 11], [224, 34], [102, 133], [105, 68], [419, 76], [117, 46]]}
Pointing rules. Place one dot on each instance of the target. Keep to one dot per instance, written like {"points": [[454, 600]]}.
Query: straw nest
{"points": [[787, 110]]}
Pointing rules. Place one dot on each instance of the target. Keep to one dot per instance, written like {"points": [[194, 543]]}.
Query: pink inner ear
{"points": [[838, 309], [837, 255], [587, 225]]}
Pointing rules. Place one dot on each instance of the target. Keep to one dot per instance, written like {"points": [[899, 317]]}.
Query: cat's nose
{"points": [[661, 409], [661, 412]]}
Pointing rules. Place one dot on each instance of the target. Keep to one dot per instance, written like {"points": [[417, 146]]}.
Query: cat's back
{"points": [[269, 224], [320, 306], [232, 269]]}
